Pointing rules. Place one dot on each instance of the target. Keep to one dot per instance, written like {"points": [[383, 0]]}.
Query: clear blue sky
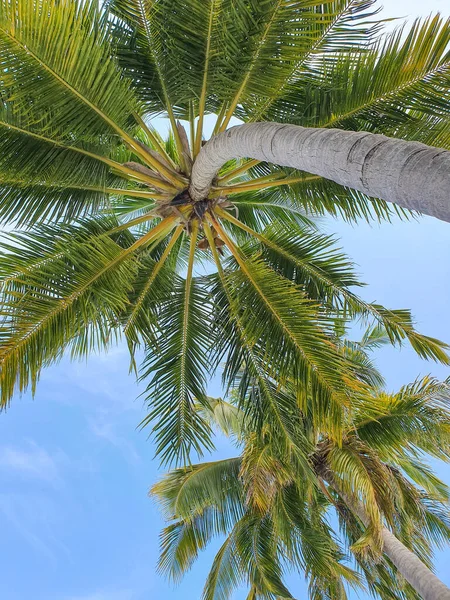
{"points": [[75, 520]]}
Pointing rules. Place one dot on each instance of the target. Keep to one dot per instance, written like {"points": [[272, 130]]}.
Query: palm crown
{"points": [[273, 509], [110, 241]]}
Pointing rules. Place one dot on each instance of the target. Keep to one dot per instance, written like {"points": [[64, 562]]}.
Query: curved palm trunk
{"points": [[411, 174], [412, 568]]}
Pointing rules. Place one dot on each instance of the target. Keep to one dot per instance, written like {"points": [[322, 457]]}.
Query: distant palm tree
{"points": [[110, 234], [273, 508]]}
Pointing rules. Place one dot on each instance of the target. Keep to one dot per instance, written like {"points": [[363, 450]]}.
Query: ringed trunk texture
{"points": [[412, 568], [410, 174]]}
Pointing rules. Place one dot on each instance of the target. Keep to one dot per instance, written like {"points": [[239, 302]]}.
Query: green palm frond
{"points": [[190, 491], [263, 399], [415, 419], [155, 41], [340, 26], [177, 366], [152, 286], [392, 89], [355, 470], [312, 261], [180, 544], [405, 79], [43, 171], [207, 500], [38, 175], [422, 475], [306, 257], [275, 314], [316, 197], [227, 571], [267, 62], [228, 418], [263, 555], [59, 288], [374, 337], [358, 352], [56, 52]]}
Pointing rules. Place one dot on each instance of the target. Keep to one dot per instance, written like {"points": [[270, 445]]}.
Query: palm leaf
{"points": [[415, 419], [226, 572], [342, 26], [177, 365], [394, 89], [64, 55], [184, 493], [62, 287]]}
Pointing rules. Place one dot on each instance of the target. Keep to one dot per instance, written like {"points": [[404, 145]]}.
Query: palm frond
{"points": [[285, 38], [177, 365], [228, 418], [310, 260], [341, 26], [41, 49], [393, 89], [188, 492], [227, 571], [315, 197], [153, 284], [60, 287], [414, 419]]}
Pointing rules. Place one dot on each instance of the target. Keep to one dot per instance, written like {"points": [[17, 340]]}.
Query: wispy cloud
{"points": [[37, 519], [105, 376], [32, 461], [106, 430]]}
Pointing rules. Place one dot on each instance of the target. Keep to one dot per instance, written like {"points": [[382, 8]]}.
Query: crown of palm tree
{"points": [[273, 508], [110, 239]]}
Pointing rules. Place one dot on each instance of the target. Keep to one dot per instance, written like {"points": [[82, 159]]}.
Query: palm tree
{"points": [[273, 508], [109, 240]]}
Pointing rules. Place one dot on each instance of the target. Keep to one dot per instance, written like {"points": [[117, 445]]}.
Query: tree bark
{"points": [[410, 174], [412, 568]]}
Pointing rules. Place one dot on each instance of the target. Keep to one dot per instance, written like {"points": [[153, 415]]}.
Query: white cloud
{"points": [[37, 519], [104, 377], [33, 461], [413, 8], [104, 429]]}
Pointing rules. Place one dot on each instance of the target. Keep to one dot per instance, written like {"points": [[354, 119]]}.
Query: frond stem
{"points": [[243, 85], [238, 171], [186, 311], [154, 139], [89, 188], [202, 102], [168, 105], [235, 313], [261, 183], [178, 231]]}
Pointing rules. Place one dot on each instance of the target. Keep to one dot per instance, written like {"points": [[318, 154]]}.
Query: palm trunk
{"points": [[412, 568], [411, 174]]}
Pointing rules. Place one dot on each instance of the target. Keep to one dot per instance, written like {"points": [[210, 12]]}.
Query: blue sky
{"points": [[75, 519]]}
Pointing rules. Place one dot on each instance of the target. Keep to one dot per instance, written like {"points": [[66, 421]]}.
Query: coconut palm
{"points": [[273, 508], [110, 240]]}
